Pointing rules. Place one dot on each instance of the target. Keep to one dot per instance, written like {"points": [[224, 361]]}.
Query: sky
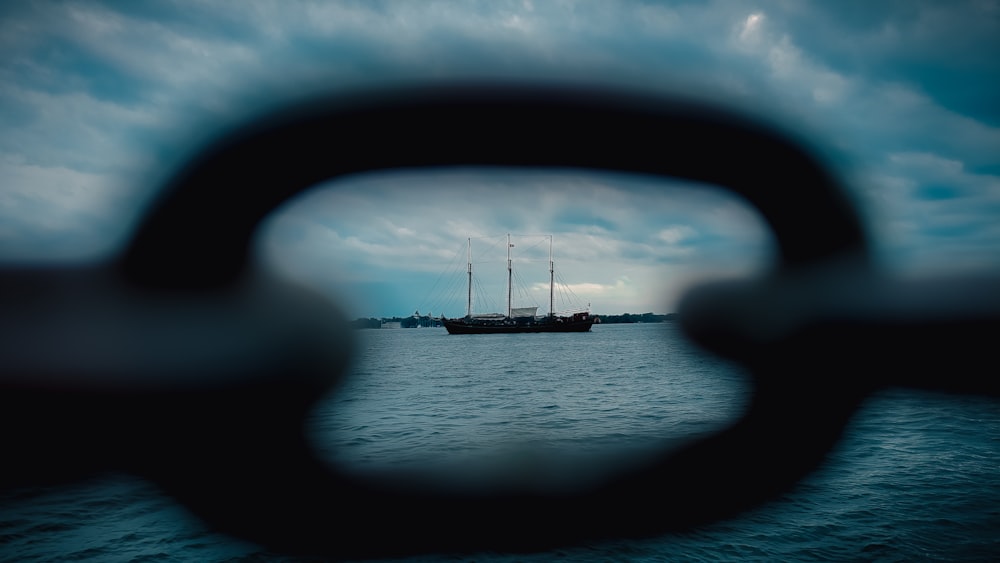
{"points": [[101, 101]]}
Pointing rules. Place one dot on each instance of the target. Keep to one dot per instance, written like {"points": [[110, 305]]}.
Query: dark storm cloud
{"points": [[99, 100]]}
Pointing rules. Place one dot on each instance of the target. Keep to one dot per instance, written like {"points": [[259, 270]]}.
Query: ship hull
{"points": [[514, 326]]}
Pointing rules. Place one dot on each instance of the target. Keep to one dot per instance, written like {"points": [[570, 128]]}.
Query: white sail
{"points": [[520, 312]]}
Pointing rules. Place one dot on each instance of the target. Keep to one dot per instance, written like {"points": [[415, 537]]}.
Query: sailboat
{"points": [[517, 319]]}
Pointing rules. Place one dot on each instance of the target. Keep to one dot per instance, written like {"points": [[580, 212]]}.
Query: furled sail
{"points": [[521, 312]]}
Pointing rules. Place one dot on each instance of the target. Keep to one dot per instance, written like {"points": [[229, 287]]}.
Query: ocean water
{"points": [[916, 477]]}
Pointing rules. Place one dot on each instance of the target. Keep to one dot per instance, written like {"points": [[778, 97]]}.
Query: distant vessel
{"points": [[517, 319]]}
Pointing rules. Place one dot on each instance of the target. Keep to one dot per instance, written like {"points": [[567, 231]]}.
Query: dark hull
{"points": [[560, 324]]}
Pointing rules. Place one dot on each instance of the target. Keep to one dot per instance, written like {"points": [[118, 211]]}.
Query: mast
{"points": [[468, 307], [510, 277], [552, 282]]}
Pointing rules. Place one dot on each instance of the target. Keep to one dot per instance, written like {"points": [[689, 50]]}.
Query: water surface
{"points": [[916, 477]]}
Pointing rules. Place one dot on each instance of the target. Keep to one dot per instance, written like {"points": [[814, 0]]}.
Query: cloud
{"points": [[933, 213], [100, 101], [405, 230], [67, 213], [944, 50], [675, 234]]}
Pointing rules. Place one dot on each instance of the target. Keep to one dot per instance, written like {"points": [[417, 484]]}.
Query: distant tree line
{"points": [[370, 322], [636, 318], [426, 321], [404, 322]]}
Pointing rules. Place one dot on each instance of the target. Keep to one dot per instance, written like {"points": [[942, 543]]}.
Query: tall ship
{"points": [[517, 319]]}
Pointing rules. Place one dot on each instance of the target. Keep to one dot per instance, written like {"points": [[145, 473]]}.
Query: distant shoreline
{"points": [[414, 321]]}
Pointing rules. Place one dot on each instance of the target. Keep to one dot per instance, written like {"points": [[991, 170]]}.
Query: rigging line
{"points": [[449, 295], [571, 298], [521, 255], [451, 263], [544, 236], [502, 238], [522, 290], [496, 243], [567, 305], [538, 243], [481, 295], [448, 298]]}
